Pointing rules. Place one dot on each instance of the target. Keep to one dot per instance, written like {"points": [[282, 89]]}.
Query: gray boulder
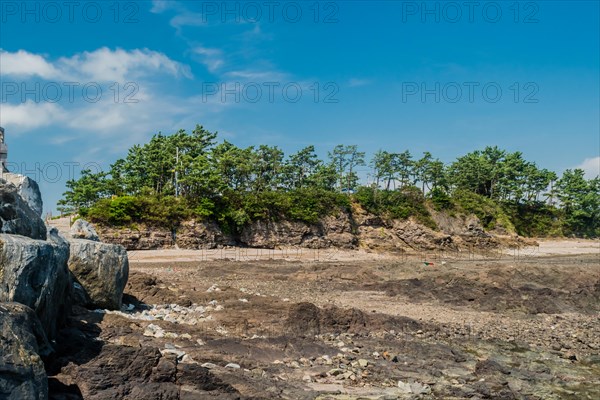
{"points": [[102, 270], [82, 229], [22, 340], [28, 189], [35, 273], [16, 217]]}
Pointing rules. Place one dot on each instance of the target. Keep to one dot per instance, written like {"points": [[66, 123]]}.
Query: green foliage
{"points": [[345, 159], [441, 200], [535, 219], [188, 175], [397, 204], [581, 203], [488, 211], [303, 205], [165, 212]]}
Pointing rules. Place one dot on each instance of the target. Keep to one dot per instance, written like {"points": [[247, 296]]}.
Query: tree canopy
{"points": [[233, 185]]}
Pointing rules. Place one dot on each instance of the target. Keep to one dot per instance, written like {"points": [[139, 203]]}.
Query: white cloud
{"points": [[261, 76], [591, 166], [30, 115], [24, 64], [101, 65], [159, 6], [111, 116], [187, 19], [118, 65], [356, 82], [212, 58]]}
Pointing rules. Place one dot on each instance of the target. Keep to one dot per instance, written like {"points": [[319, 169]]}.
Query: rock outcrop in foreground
{"points": [[101, 270], [16, 217], [28, 189], [22, 340], [35, 273], [38, 288]]}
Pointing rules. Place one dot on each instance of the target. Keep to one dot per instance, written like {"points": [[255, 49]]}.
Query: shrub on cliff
{"points": [[126, 210], [396, 204], [489, 212]]}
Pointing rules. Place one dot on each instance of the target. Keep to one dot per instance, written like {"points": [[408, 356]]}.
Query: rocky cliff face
{"points": [[202, 235], [141, 238], [348, 229]]}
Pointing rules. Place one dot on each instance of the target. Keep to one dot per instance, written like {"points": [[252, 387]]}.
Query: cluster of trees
{"points": [[212, 177]]}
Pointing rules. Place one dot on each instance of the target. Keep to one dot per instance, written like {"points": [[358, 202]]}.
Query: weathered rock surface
{"points": [[16, 217], [202, 235], [140, 372], [331, 231], [270, 234], [82, 229], [467, 231], [28, 189], [421, 237], [142, 238], [400, 236], [101, 269], [22, 340], [339, 231], [347, 230], [34, 273]]}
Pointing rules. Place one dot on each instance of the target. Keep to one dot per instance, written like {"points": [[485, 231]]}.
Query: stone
{"points": [[177, 353], [154, 331], [233, 366], [363, 363], [28, 189], [35, 274], [16, 217], [22, 374], [404, 387], [419, 388], [82, 229], [102, 270]]}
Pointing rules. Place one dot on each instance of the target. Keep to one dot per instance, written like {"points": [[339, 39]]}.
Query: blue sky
{"points": [[447, 77]]}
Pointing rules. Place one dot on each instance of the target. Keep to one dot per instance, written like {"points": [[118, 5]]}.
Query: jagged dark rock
{"points": [[34, 273], [28, 189], [22, 341], [16, 216]]}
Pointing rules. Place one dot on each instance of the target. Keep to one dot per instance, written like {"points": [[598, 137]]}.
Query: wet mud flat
{"points": [[381, 329]]}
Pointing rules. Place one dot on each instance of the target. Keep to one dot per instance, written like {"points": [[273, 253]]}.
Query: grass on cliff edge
{"points": [[233, 210]]}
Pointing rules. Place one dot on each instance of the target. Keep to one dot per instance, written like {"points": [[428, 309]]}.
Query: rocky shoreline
{"points": [[77, 323]]}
